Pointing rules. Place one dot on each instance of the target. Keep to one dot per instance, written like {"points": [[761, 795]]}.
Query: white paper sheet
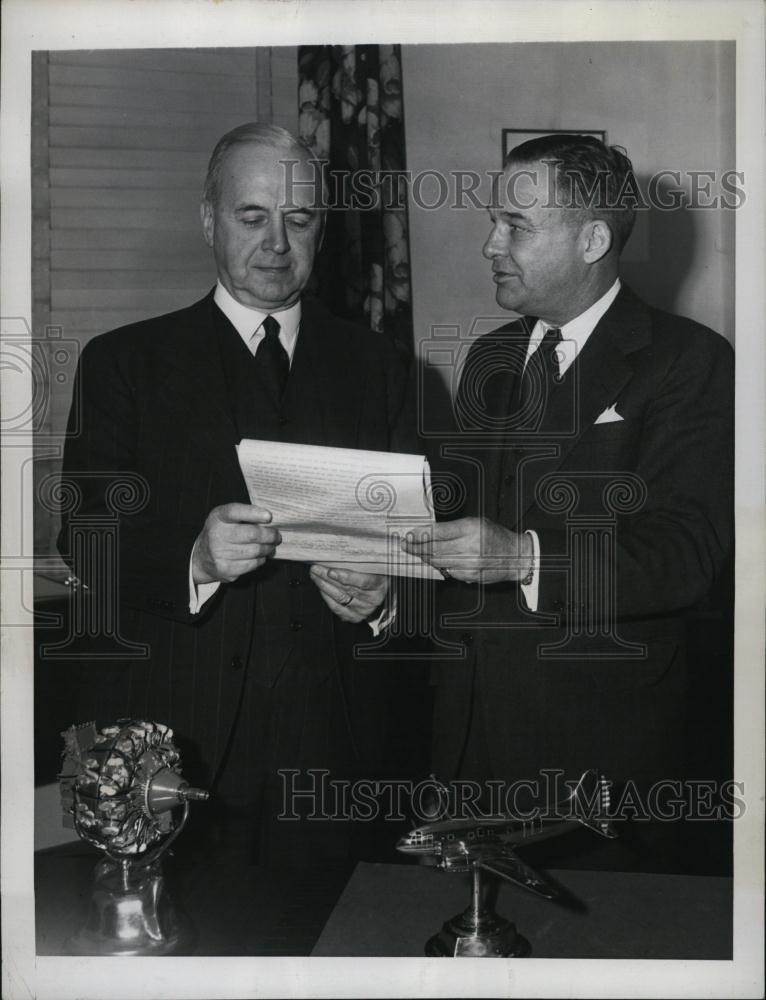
{"points": [[341, 506]]}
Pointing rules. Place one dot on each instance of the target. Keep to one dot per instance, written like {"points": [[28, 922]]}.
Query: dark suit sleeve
{"points": [[109, 496], [668, 553]]}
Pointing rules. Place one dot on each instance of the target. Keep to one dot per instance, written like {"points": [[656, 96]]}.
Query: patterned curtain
{"points": [[351, 114]]}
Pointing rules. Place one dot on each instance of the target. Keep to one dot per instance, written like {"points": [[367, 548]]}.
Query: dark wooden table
{"points": [[235, 910], [391, 910]]}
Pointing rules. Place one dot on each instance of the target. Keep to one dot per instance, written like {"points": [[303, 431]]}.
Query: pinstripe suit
{"points": [[165, 399]]}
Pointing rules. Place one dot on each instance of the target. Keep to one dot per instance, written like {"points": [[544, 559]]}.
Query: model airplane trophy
{"points": [[122, 789], [488, 845]]}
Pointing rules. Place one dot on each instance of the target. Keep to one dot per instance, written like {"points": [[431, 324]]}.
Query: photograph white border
{"points": [[92, 24]]}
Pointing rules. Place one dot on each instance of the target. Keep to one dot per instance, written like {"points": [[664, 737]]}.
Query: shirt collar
{"points": [[575, 333], [578, 330], [582, 326], [246, 320]]}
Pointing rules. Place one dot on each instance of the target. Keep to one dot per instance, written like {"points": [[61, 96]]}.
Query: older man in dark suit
{"points": [[249, 658], [596, 439]]}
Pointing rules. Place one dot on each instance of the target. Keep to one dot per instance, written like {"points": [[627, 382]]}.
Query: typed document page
{"points": [[341, 506]]}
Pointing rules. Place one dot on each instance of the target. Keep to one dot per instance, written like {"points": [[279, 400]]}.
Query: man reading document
{"points": [[250, 659]]}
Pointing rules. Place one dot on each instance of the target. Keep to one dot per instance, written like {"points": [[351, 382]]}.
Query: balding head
{"points": [[259, 134]]}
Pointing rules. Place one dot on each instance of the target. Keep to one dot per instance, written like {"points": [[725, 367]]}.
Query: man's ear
{"points": [[597, 238], [207, 216]]}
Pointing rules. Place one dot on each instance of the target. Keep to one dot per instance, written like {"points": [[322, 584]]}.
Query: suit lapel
{"points": [[593, 382], [325, 384], [326, 380], [499, 395], [195, 383]]}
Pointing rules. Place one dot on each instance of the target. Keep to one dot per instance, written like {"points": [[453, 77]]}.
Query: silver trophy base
{"points": [[478, 932], [488, 937], [131, 913]]}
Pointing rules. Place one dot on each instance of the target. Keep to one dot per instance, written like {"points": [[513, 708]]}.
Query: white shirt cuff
{"points": [[530, 591], [386, 616], [199, 594]]}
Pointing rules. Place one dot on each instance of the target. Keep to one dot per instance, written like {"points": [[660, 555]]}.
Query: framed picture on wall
{"points": [[515, 136]]}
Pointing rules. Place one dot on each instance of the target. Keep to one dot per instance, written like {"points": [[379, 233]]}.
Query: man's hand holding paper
{"points": [[236, 539], [475, 550], [342, 507]]}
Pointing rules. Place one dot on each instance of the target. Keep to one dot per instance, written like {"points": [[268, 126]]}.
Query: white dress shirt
{"points": [[574, 336], [249, 325], [249, 322], [575, 333]]}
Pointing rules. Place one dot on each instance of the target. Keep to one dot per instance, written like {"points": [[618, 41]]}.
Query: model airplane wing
{"points": [[509, 866]]}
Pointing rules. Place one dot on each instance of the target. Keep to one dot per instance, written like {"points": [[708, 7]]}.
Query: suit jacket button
{"points": [[236, 663], [296, 626], [294, 581]]}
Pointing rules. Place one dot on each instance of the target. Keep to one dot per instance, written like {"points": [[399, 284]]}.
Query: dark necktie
{"points": [[271, 360], [548, 349], [541, 374]]}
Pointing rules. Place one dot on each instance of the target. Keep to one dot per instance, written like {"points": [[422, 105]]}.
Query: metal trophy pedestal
{"points": [[122, 789], [131, 913], [478, 932]]}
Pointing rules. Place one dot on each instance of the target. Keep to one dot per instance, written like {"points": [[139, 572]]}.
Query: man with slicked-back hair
{"points": [[596, 441]]}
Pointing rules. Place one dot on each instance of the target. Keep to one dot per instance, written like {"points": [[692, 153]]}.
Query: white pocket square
{"points": [[609, 416]]}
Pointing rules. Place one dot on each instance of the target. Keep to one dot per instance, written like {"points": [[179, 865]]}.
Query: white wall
{"points": [[671, 105]]}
